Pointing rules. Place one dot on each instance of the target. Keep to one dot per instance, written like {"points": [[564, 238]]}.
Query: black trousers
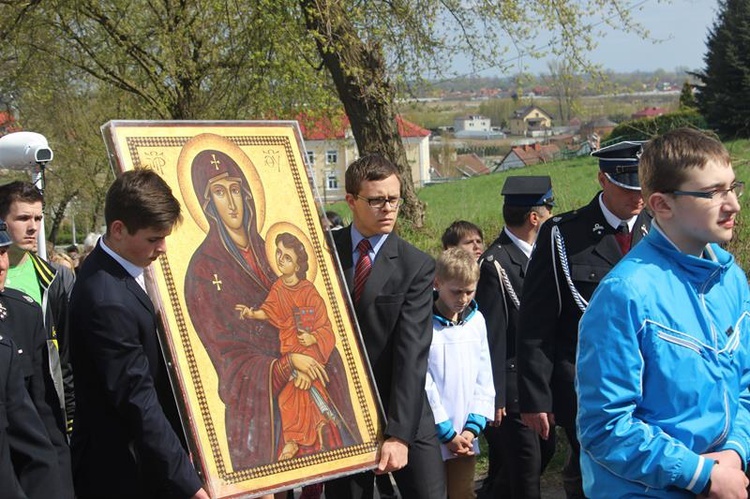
{"points": [[422, 478], [517, 458], [572, 480]]}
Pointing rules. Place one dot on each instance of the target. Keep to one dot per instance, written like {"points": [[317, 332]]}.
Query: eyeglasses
{"points": [[379, 203], [737, 188]]}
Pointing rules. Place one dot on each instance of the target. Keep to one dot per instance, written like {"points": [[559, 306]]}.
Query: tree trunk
{"points": [[58, 213], [359, 74]]}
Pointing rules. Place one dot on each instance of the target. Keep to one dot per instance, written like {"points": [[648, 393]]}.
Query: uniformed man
{"points": [[572, 254], [22, 320], [517, 455], [28, 462]]}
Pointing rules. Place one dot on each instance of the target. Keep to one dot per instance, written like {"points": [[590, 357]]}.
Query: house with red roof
{"points": [[527, 155], [648, 112], [330, 148]]}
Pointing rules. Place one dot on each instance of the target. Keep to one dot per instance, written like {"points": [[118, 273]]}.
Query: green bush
{"points": [[646, 128]]}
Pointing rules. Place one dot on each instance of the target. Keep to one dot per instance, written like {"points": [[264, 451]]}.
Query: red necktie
{"points": [[363, 268], [624, 237]]}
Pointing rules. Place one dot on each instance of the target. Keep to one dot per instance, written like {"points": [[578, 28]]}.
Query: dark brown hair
{"points": [[667, 159], [25, 192], [141, 199], [457, 231], [370, 167]]}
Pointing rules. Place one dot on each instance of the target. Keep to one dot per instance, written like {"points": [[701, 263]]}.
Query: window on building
{"points": [[332, 182], [310, 157], [332, 156]]}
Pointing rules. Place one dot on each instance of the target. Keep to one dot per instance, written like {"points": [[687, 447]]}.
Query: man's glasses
{"points": [[379, 203], [737, 188]]}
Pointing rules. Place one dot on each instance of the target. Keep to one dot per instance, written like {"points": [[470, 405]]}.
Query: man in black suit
{"points": [[127, 438], [572, 254], [517, 455], [391, 285]]}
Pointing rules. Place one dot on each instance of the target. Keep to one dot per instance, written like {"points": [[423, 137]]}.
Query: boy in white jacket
{"points": [[459, 375]]}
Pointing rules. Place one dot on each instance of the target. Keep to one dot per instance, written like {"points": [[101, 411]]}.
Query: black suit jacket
{"points": [[500, 312], [24, 324], [126, 438], [28, 462], [549, 315], [395, 317]]}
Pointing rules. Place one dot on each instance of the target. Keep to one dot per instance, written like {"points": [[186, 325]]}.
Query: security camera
{"points": [[23, 150]]}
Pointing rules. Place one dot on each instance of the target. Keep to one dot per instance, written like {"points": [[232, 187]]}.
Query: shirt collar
{"points": [[522, 245], [613, 219], [376, 241], [134, 270]]}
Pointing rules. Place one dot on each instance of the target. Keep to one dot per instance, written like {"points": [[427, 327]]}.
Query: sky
{"points": [[680, 26], [683, 26]]}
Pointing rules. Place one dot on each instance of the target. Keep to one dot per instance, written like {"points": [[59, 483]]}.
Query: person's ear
{"points": [[661, 205], [436, 284], [350, 200], [600, 176], [533, 218], [117, 230]]}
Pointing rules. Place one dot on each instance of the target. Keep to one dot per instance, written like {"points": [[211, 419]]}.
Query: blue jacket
{"points": [[663, 371]]}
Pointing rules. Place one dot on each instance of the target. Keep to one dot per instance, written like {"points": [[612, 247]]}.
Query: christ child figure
{"points": [[294, 306]]}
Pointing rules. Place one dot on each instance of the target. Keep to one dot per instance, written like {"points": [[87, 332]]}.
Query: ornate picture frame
{"points": [[265, 356]]}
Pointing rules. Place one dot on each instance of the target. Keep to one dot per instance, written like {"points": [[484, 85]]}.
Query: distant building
{"points": [[457, 166], [530, 121], [472, 123], [330, 148], [471, 165], [475, 127], [648, 112], [8, 123], [527, 155]]}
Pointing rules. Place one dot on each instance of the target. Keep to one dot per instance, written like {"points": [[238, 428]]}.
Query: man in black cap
{"points": [[573, 253], [517, 454]]}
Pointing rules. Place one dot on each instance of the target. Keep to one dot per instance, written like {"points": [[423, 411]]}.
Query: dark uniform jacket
{"points": [[28, 463], [502, 270], [552, 305], [21, 320], [126, 438]]}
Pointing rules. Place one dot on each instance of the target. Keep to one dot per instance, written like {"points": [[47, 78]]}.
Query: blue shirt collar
{"points": [[376, 241]]}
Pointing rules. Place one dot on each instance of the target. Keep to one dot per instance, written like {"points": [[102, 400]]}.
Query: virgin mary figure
{"points": [[231, 263]]}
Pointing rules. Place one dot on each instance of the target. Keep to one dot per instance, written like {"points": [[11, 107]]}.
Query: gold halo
{"points": [[184, 177], [277, 229]]}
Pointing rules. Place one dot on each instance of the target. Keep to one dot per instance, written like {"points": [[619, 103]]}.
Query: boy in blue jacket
{"points": [[664, 347]]}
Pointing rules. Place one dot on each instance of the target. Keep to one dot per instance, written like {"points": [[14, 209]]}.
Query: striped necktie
{"points": [[624, 237], [363, 268]]}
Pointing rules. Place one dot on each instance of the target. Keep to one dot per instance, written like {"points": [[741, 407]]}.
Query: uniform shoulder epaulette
{"points": [[17, 295], [564, 217], [491, 253]]}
